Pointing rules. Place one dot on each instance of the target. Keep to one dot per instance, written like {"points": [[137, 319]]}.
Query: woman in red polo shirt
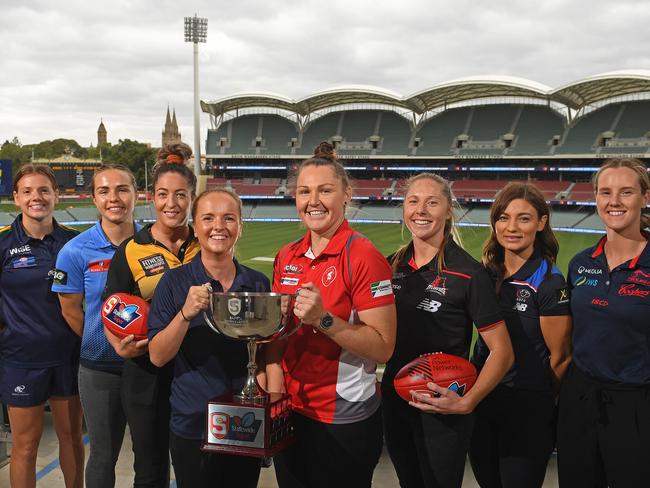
{"points": [[346, 305]]}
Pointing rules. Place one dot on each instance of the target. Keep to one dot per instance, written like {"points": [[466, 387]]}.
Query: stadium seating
{"points": [[582, 192], [437, 134], [550, 188], [535, 129], [395, 133], [477, 188], [320, 129], [582, 135]]}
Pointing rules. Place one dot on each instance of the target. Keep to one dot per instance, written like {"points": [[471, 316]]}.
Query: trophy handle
{"points": [[208, 319]]}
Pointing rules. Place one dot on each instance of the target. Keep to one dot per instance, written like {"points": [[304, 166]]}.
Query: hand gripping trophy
{"points": [[252, 422]]}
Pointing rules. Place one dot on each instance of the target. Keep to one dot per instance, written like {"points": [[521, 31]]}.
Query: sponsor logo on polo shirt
{"points": [[224, 426], [563, 295], [20, 389], [329, 276], [438, 286], [381, 288], [595, 271], [523, 295], [396, 286], [600, 302], [120, 313], [583, 280], [520, 307], [286, 280], [429, 305], [293, 269], [631, 290], [99, 266], [153, 265], [20, 250], [24, 262], [639, 277]]}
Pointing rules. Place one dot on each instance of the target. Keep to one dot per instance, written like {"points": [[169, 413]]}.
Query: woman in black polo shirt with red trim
{"points": [[514, 433], [440, 292], [604, 407]]}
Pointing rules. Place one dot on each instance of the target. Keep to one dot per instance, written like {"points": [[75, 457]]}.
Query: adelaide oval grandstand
{"points": [[478, 132]]}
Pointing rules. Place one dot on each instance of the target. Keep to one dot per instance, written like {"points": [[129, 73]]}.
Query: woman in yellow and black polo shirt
{"points": [[136, 268]]}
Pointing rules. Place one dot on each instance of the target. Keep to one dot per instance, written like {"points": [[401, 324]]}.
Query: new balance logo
{"points": [[429, 305]]}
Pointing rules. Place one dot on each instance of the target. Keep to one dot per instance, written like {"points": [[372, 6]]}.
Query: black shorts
{"points": [[29, 387]]}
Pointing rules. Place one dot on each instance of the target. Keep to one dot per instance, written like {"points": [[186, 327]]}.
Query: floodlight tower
{"points": [[196, 30]]}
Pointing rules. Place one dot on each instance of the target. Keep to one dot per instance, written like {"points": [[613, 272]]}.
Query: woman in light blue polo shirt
{"points": [[81, 270]]}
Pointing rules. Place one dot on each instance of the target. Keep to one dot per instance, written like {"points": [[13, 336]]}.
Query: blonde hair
{"points": [[641, 171], [450, 230]]}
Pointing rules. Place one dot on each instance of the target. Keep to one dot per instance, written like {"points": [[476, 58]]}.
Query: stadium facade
{"points": [[478, 132]]}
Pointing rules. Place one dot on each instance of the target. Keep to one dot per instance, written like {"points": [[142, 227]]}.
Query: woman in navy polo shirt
{"points": [[604, 407], [441, 292], [206, 365], [38, 352], [514, 433], [81, 269]]}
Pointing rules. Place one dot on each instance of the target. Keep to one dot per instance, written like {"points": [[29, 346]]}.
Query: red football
{"points": [[452, 372], [125, 314]]}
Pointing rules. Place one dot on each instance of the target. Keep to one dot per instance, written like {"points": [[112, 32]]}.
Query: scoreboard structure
{"points": [[73, 175]]}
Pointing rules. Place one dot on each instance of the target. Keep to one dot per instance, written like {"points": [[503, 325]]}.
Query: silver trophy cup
{"points": [[254, 317]]}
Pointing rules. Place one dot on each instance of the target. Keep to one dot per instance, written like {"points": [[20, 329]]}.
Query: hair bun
{"points": [[325, 150]]}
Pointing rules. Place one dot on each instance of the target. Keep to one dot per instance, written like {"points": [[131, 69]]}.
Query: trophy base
{"points": [[241, 427]]}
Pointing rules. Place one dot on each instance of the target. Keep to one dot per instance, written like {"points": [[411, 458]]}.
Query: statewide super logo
{"points": [[119, 313], [381, 288], [224, 426]]}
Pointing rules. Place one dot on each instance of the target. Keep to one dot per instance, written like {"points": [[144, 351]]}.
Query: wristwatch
{"points": [[326, 321]]}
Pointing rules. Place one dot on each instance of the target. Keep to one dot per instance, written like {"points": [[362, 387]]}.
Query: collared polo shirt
{"points": [[208, 364], [36, 335], [436, 310], [140, 262], [328, 383], [611, 316], [81, 267], [536, 290]]}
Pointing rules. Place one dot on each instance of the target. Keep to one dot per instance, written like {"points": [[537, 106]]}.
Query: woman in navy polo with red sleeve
{"points": [[514, 433], [39, 354], [604, 406], [441, 292], [345, 302]]}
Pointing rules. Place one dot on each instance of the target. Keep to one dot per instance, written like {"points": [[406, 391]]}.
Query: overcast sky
{"points": [[66, 64]]}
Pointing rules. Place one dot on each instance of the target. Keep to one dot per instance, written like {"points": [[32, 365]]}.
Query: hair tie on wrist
{"points": [[174, 159], [183, 315]]}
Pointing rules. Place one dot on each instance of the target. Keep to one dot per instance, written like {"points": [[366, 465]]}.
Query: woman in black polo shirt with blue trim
{"points": [[514, 433], [206, 365], [441, 292], [604, 407]]}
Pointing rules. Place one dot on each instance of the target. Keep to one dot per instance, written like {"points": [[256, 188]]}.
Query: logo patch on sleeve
{"points": [[153, 265], [563, 296], [381, 288], [60, 277]]}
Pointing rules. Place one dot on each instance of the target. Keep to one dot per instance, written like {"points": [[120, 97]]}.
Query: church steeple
{"points": [[102, 135], [170, 134]]}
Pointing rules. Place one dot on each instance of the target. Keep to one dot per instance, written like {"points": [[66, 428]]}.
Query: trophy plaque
{"points": [[251, 422]]}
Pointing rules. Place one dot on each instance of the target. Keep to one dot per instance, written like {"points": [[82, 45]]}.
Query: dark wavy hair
{"points": [[172, 159], [545, 241]]}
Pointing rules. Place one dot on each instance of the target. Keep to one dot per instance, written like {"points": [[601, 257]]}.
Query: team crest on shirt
{"points": [[329, 276], [639, 277], [438, 285], [153, 265]]}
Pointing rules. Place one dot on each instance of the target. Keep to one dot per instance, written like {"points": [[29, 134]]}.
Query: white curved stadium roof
{"points": [[575, 95]]}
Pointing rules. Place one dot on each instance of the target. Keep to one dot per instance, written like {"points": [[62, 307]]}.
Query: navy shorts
{"points": [[29, 387]]}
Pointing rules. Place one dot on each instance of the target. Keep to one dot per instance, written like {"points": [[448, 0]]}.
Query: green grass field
{"points": [[264, 240]]}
